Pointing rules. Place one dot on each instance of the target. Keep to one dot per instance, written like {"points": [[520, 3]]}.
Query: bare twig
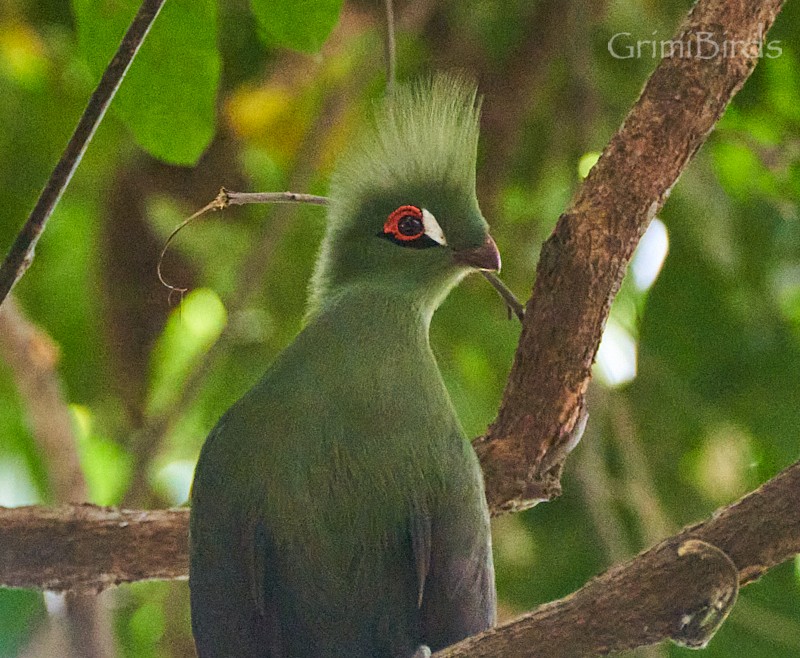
{"points": [[227, 198], [664, 592], [243, 198], [598, 494], [504, 291], [21, 254], [639, 490], [223, 200], [583, 262], [391, 49]]}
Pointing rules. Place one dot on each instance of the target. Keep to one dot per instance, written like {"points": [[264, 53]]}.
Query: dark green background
{"points": [[713, 409]]}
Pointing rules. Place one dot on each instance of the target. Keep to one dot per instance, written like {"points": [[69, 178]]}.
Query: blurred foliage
{"points": [[171, 87], [695, 399], [300, 24]]}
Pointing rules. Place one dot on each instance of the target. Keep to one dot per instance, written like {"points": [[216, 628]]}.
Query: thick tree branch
{"points": [[583, 262], [680, 589], [20, 256], [86, 547]]}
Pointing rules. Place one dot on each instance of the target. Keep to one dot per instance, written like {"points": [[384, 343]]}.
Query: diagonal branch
{"points": [[20, 256], [681, 589], [583, 262]]}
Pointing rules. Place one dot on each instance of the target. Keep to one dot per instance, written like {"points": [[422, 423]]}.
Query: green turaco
{"points": [[338, 508]]}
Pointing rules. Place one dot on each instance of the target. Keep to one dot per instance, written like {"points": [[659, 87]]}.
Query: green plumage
{"points": [[337, 508]]}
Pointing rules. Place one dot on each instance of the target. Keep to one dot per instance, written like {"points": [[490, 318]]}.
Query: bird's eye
{"points": [[404, 224], [410, 226]]}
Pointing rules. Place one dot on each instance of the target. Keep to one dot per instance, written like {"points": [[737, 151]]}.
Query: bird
{"points": [[338, 509]]}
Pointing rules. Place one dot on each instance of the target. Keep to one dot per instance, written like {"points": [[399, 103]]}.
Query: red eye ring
{"points": [[393, 225]]}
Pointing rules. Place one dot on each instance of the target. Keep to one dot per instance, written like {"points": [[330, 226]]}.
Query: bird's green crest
{"points": [[427, 130], [419, 148]]}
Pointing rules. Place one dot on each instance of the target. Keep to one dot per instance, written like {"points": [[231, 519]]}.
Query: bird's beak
{"points": [[486, 257]]}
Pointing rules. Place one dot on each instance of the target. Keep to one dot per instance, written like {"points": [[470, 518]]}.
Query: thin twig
{"points": [[513, 304], [391, 50], [243, 198], [639, 492], [223, 200], [598, 487], [21, 254]]}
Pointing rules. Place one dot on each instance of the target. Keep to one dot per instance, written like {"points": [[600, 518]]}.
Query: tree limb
{"points": [[680, 589], [583, 262], [86, 547], [20, 256]]}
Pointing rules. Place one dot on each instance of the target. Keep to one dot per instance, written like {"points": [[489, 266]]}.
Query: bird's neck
{"points": [[373, 309]]}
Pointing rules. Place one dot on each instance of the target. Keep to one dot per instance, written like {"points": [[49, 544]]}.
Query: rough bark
{"points": [[681, 589], [86, 547], [583, 262]]}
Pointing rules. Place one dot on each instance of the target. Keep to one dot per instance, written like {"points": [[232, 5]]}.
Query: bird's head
{"points": [[404, 216]]}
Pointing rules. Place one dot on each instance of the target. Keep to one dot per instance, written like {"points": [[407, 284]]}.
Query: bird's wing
{"points": [[234, 607], [261, 561], [459, 597], [421, 548]]}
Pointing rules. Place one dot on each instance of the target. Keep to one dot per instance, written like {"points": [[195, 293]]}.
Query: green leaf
{"points": [[105, 464], [297, 24], [168, 98], [191, 330]]}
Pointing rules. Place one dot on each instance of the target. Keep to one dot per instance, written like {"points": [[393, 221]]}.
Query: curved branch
{"points": [[583, 262], [681, 589]]}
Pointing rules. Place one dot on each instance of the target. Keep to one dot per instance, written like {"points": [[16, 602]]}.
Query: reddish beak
{"points": [[485, 257]]}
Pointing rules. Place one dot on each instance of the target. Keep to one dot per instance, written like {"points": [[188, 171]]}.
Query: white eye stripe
{"points": [[432, 228]]}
